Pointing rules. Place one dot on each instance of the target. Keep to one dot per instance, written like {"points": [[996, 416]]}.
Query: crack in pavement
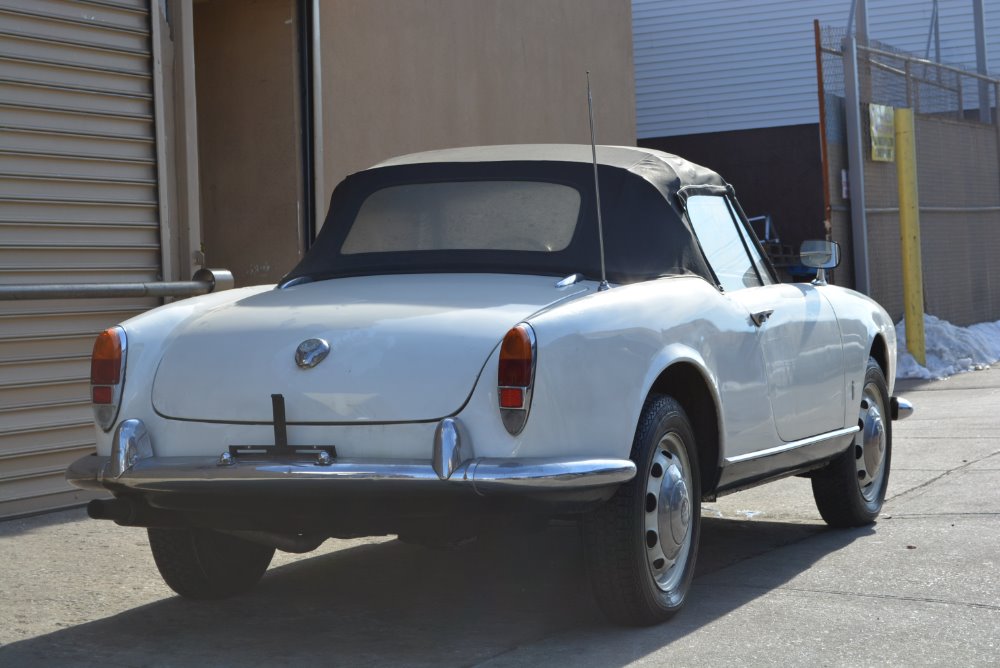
{"points": [[950, 438], [922, 487], [834, 592], [910, 516]]}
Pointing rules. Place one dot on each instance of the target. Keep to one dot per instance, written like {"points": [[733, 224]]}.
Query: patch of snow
{"points": [[950, 349]]}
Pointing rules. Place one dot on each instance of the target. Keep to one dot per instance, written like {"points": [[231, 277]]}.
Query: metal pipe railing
{"points": [[929, 63], [203, 281], [907, 72]]}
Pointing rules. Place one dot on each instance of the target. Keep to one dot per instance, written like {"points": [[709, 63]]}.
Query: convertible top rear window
{"points": [[523, 217], [466, 215]]}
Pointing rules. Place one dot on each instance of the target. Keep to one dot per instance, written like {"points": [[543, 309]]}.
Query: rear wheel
{"points": [[641, 546], [850, 491], [206, 564]]}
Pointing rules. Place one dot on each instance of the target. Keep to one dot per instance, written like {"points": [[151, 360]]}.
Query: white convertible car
{"points": [[449, 358]]}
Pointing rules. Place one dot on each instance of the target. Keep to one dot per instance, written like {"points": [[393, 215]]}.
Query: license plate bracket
{"points": [[281, 448]]}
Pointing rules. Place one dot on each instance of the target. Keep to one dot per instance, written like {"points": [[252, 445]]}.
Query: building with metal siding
{"points": [[723, 65], [105, 177], [733, 85]]}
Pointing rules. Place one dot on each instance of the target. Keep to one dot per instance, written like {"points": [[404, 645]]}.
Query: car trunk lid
{"points": [[402, 348]]}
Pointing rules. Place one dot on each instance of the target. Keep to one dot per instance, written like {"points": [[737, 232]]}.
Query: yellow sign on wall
{"points": [[883, 131]]}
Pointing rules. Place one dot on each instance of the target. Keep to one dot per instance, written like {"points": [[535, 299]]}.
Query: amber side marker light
{"points": [[515, 376], [107, 366]]}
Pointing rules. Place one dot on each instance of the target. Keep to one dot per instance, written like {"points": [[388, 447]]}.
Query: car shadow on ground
{"points": [[33, 522], [396, 604]]}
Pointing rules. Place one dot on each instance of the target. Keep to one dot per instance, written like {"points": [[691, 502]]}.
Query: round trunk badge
{"points": [[311, 352]]}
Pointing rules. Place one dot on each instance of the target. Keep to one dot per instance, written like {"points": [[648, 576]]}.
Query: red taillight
{"points": [[515, 377], [106, 361], [101, 394], [107, 370], [511, 397], [515, 359]]}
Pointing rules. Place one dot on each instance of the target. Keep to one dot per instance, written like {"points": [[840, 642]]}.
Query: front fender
{"points": [[862, 321]]}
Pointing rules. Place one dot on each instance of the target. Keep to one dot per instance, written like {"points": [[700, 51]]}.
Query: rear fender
{"points": [[147, 335], [688, 380]]}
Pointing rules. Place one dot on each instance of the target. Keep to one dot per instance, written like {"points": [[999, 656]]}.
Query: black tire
{"points": [[638, 578], [850, 490], [203, 564]]}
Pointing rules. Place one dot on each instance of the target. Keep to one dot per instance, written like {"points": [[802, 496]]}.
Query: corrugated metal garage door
{"points": [[78, 203]]}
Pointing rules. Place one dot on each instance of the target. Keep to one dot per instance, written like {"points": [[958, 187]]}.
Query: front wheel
{"points": [[850, 490], [206, 564], [641, 546]]}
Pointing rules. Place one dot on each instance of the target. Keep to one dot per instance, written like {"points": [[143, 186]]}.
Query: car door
{"points": [[795, 326]]}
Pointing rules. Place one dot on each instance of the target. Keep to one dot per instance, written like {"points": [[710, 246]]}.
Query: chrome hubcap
{"points": [[870, 445], [668, 513]]}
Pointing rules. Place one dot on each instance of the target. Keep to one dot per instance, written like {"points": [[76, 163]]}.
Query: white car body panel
{"points": [[637, 331], [626, 333], [405, 348], [862, 321], [803, 357]]}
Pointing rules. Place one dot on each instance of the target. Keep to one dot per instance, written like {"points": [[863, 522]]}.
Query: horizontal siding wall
{"points": [[78, 204], [720, 65]]}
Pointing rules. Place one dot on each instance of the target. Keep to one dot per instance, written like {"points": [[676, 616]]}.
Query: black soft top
{"points": [[646, 235]]}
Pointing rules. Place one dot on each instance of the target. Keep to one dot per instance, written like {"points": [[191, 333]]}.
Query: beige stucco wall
{"points": [[393, 76], [248, 134], [401, 76]]}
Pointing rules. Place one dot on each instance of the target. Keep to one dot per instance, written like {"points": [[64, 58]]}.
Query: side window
{"points": [[758, 259], [721, 240]]}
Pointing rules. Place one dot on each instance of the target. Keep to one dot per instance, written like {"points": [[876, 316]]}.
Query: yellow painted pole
{"points": [[909, 234]]}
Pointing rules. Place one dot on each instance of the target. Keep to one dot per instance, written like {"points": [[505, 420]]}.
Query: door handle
{"points": [[760, 317]]}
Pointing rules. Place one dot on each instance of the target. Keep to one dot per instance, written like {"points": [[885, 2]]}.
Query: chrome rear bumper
{"points": [[133, 466], [483, 476]]}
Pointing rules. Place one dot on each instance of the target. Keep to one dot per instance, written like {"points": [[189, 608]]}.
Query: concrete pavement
{"points": [[774, 585]]}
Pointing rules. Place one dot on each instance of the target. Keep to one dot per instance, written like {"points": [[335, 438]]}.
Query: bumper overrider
{"points": [[132, 467]]}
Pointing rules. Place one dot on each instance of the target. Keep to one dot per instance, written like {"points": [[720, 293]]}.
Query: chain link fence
{"points": [[958, 165]]}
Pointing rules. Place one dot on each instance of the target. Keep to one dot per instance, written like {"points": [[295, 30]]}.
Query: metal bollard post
{"points": [[909, 233]]}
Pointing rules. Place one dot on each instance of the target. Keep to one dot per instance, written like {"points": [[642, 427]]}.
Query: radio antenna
{"points": [[597, 188]]}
